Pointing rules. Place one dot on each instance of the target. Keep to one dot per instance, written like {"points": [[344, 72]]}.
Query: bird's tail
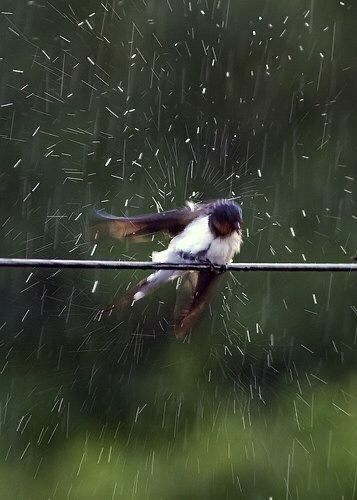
{"points": [[149, 284], [145, 287]]}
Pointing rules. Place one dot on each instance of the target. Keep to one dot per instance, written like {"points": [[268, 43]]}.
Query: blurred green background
{"points": [[140, 105]]}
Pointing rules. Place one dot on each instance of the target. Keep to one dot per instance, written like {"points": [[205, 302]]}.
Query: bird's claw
{"points": [[222, 268], [214, 268]]}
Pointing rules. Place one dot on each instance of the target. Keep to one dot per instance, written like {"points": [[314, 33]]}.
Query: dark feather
{"points": [[202, 284], [171, 222]]}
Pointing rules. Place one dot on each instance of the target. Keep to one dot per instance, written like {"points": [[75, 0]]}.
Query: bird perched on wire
{"points": [[209, 233]]}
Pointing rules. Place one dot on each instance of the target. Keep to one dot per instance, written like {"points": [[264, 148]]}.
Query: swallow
{"points": [[209, 233]]}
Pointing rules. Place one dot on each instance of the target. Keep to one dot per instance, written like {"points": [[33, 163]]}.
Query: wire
{"points": [[122, 264]]}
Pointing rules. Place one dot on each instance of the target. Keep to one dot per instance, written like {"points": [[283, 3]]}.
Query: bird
{"points": [[206, 233]]}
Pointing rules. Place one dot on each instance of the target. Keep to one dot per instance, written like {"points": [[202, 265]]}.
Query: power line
{"points": [[235, 267]]}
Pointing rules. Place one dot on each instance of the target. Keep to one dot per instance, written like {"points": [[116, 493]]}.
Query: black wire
{"points": [[122, 264]]}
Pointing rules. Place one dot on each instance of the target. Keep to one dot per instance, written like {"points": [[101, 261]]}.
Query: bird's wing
{"points": [[197, 289], [171, 222]]}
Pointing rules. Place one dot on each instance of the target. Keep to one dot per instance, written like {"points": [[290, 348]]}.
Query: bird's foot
{"points": [[201, 258], [207, 262], [214, 268]]}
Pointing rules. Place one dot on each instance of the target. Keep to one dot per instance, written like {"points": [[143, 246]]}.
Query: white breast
{"points": [[222, 250], [197, 237], [194, 238]]}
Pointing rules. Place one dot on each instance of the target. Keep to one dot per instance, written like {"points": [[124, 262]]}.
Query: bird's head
{"points": [[225, 218]]}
